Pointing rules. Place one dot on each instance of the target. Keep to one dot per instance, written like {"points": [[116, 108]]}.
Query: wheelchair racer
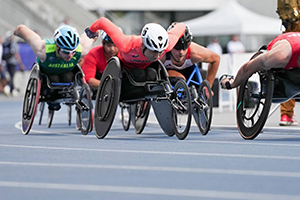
{"points": [[95, 61], [59, 55], [185, 54], [137, 53], [282, 52], [288, 12]]}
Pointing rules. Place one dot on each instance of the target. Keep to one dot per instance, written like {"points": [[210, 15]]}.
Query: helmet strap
{"points": [[57, 51], [143, 48]]}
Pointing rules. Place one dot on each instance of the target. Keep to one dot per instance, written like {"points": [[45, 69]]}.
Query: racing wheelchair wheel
{"points": [[140, 116], [125, 115], [182, 109], [107, 98], [202, 107], [85, 110], [253, 105], [31, 99]]}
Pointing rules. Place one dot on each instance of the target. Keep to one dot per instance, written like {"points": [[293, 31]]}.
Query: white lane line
{"points": [[150, 191], [18, 125], [158, 152], [165, 169], [245, 143]]}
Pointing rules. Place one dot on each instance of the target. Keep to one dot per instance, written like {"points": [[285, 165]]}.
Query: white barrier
{"points": [[230, 64]]}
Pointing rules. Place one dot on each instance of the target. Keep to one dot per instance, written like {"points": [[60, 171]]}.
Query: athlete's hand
{"points": [[90, 33]]}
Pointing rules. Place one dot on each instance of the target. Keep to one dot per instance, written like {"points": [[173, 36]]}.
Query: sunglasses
{"points": [[181, 46], [65, 51]]}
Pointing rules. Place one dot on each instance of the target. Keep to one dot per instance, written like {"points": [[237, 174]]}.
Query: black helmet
{"points": [[184, 41], [105, 37]]}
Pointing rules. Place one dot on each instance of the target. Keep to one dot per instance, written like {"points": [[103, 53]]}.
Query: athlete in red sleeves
{"points": [[282, 52], [139, 55], [139, 51], [96, 60]]}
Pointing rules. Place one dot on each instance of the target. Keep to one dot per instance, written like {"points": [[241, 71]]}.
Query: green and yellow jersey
{"points": [[54, 65]]}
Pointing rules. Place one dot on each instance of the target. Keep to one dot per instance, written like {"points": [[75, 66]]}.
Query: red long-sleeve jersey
{"points": [[130, 45]]}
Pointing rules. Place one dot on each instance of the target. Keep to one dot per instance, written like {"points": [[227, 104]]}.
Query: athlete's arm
{"points": [[174, 34], [123, 42], [202, 54], [278, 57], [86, 44], [33, 39], [89, 68]]}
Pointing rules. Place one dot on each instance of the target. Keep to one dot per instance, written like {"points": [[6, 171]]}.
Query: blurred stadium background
{"points": [[45, 16]]}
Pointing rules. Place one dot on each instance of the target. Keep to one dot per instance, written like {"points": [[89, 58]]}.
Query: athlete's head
{"points": [[67, 39], [108, 45], [179, 51], [185, 40], [155, 40], [105, 37]]}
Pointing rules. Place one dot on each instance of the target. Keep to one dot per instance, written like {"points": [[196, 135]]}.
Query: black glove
{"points": [[90, 33]]}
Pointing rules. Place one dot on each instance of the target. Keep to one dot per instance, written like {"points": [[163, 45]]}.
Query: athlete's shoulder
{"points": [[50, 45], [135, 40], [49, 41]]}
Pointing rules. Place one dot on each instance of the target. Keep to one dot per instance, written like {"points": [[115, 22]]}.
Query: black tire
{"points": [[30, 103], [42, 107], [182, 110], [85, 114], [141, 116], [125, 116], [251, 118], [203, 108], [108, 96], [50, 118], [106, 105]]}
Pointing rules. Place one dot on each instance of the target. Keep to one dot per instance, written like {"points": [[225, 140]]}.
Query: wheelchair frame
{"points": [[77, 93], [165, 101], [201, 100], [273, 86], [202, 106]]}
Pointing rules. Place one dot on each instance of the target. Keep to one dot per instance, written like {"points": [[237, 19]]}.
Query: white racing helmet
{"points": [[155, 37]]}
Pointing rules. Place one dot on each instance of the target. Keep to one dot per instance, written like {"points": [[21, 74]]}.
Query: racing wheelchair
{"points": [[258, 92], [202, 100], [172, 108], [39, 89], [202, 105]]}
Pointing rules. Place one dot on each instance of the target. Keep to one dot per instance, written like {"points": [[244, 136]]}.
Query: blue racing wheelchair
{"points": [[202, 100]]}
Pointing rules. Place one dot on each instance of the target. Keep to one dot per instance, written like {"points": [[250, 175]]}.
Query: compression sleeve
{"points": [[174, 34], [123, 42]]}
